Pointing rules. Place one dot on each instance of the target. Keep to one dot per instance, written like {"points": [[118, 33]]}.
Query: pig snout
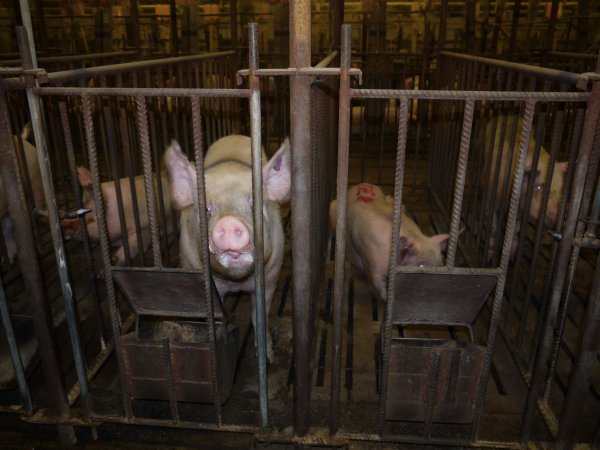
{"points": [[230, 234]]}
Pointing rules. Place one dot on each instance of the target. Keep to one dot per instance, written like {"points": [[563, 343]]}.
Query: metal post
{"points": [[336, 18], [340, 242], [32, 274], [35, 109], [552, 26], [300, 54], [564, 252], [257, 192], [174, 40], [234, 24], [135, 20]]}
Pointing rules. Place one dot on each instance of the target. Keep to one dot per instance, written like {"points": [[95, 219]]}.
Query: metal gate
{"points": [[432, 390]]}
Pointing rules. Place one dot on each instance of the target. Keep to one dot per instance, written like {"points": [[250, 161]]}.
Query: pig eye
{"points": [[539, 187], [209, 209]]}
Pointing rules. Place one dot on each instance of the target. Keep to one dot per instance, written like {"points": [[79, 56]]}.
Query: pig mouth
{"points": [[233, 265]]}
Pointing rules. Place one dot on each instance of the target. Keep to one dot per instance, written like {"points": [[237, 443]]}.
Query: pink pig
{"points": [[71, 227], [228, 180], [369, 237]]}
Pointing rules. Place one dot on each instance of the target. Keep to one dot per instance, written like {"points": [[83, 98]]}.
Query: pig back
{"points": [[234, 147]]}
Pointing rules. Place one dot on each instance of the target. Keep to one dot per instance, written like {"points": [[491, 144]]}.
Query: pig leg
{"points": [[118, 259]]}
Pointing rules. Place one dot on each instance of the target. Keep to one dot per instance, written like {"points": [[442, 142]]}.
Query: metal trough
{"points": [[436, 380], [168, 355]]}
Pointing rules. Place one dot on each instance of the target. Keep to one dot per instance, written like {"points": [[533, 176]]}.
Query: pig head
{"points": [[369, 237], [228, 181], [71, 227]]}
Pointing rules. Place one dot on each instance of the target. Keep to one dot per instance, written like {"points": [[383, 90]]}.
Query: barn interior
{"points": [[476, 119]]}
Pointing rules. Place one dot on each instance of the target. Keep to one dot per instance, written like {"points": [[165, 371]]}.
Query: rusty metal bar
{"points": [[200, 201], [233, 21], [257, 199], [340, 228], [173, 27], [300, 56], [168, 364], [73, 58], [145, 92], [575, 201], [142, 125], [552, 25], [104, 247], [459, 187], [540, 72], [15, 355], [504, 261], [78, 203], [432, 94], [36, 112], [393, 257], [115, 69]]}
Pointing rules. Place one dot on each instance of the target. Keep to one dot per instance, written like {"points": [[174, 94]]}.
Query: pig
{"points": [[71, 227], [369, 237], [537, 177], [35, 178], [228, 180]]}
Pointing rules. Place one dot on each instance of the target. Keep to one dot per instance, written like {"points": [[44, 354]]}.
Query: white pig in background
{"points": [[558, 175], [228, 180], [37, 189], [71, 227], [369, 237]]}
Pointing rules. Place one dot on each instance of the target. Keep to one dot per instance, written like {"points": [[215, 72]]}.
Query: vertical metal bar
{"points": [[86, 240], [174, 38], [514, 27], [59, 249], [168, 365], [504, 260], [233, 23], [552, 25], [204, 252], [257, 197], [300, 40], [391, 292], [15, 356], [135, 19], [142, 122], [572, 215], [115, 317], [443, 24], [459, 187], [340, 227]]}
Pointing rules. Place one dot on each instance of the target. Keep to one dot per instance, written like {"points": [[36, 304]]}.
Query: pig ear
{"points": [[405, 251], [441, 240], [182, 176], [85, 177], [277, 174]]}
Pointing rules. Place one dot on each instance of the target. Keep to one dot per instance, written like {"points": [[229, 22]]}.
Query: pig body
{"points": [[369, 237], [539, 175], [33, 169], [228, 181], [71, 227]]}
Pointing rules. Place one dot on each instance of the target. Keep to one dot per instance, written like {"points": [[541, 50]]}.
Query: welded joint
{"points": [[586, 78], [587, 242], [317, 71], [30, 75]]}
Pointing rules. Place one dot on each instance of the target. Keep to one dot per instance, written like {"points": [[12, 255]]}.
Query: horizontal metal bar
{"points": [[325, 71], [146, 92], [449, 270], [71, 58], [587, 242], [541, 72], [43, 416], [474, 95], [90, 72], [573, 55], [429, 442]]}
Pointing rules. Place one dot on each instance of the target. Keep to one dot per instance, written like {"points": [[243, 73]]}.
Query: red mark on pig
{"points": [[365, 193]]}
